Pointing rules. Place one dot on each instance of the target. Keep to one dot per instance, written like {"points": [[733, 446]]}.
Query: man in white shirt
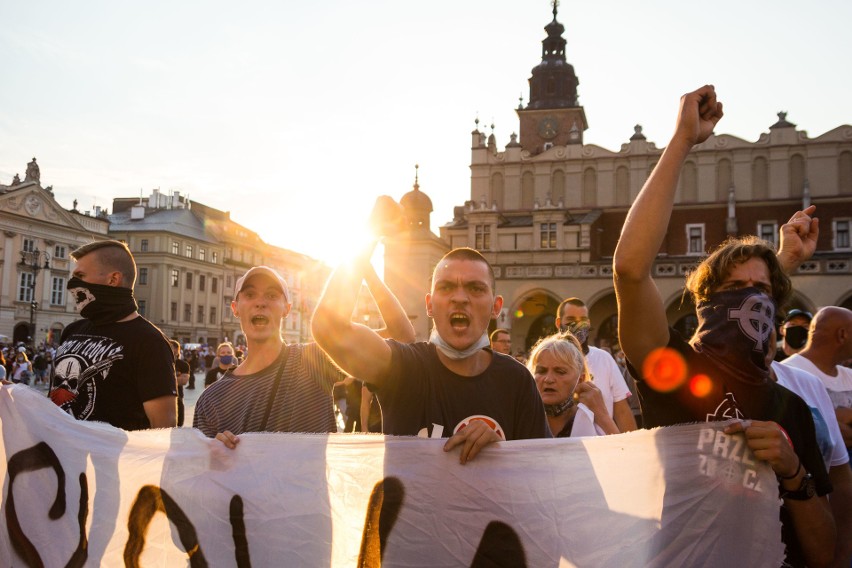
{"points": [[573, 315], [830, 344]]}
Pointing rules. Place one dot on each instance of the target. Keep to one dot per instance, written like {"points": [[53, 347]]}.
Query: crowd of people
{"points": [[795, 413]]}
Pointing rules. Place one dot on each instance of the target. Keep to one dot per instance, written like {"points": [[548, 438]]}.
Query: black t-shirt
{"points": [[733, 398], [420, 396], [215, 374], [181, 368], [105, 372]]}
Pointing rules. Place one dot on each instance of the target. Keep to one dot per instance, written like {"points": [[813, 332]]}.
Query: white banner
{"points": [[86, 494]]}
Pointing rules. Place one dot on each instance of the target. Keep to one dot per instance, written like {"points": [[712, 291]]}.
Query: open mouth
{"points": [[259, 320], [459, 321]]}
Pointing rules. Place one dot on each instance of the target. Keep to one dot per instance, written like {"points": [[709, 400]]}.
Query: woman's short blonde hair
{"points": [[567, 350]]}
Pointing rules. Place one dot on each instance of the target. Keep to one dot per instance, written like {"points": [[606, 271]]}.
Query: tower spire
{"points": [[553, 83]]}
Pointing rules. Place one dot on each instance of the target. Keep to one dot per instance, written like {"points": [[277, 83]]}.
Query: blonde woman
{"points": [[573, 404]]}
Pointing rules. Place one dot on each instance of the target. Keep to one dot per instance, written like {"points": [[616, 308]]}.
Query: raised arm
{"points": [[642, 324], [397, 324], [798, 239], [357, 349]]}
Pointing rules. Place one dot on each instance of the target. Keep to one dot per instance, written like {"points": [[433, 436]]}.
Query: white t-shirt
{"points": [[607, 377], [839, 388], [810, 389]]}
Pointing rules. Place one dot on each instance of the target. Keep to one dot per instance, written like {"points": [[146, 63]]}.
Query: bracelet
{"points": [[788, 477]]}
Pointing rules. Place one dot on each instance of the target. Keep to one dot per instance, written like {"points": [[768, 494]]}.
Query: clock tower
{"points": [[553, 115]]}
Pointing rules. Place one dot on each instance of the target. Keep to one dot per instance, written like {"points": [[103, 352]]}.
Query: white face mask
{"points": [[454, 353]]}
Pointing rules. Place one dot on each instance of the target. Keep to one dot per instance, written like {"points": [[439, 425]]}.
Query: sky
{"points": [[295, 116]]}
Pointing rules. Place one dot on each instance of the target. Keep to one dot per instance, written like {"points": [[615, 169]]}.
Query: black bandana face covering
{"points": [[734, 328], [579, 329], [101, 304]]}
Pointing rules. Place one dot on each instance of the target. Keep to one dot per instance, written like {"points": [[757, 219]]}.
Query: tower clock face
{"points": [[548, 127]]}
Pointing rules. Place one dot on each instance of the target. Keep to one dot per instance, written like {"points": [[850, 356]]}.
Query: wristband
{"points": [[788, 477]]}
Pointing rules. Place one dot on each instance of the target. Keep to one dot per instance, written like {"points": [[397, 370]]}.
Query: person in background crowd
{"points": [[22, 369], [794, 332], [829, 345], [737, 290], [193, 368], [113, 365], [830, 443], [501, 341], [182, 378], [225, 361], [574, 404], [41, 368], [209, 356], [2, 367], [573, 315]]}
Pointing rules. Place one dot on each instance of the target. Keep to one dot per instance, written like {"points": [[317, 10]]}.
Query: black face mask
{"points": [[734, 328], [796, 336], [101, 304]]}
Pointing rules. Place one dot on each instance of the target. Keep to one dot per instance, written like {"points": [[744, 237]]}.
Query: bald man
{"points": [[830, 344]]}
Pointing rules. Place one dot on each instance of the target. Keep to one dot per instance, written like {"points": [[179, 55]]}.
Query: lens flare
{"points": [[700, 386], [519, 314], [664, 369]]}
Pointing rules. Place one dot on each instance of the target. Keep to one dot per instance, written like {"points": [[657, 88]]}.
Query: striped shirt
{"points": [[303, 402]]}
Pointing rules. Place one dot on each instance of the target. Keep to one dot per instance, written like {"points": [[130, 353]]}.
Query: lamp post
{"points": [[31, 260]]}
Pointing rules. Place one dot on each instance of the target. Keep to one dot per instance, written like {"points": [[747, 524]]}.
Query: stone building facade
{"points": [[189, 257], [547, 209], [38, 236]]}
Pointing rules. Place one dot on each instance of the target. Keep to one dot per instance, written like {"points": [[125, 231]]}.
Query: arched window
{"points": [[724, 179], [557, 187], [590, 187], [527, 190], [622, 186], [759, 179], [797, 175], [497, 190], [689, 183]]}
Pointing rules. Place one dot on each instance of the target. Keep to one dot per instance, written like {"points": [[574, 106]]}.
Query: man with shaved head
{"points": [[112, 365], [829, 345]]}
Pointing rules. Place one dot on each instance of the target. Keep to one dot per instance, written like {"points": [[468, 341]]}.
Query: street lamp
{"points": [[31, 260]]}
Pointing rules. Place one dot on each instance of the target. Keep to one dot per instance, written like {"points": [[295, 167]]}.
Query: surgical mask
{"points": [[734, 329], [796, 336], [226, 359], [454, 353], [101, 304]]}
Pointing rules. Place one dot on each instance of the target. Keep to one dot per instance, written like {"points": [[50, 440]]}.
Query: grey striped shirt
{"points": [[303, 402]]}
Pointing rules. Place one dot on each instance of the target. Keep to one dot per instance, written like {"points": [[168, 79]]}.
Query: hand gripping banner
{"points": [[87, 494]]}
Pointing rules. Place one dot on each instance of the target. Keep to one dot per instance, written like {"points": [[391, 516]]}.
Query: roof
{"points": [[177, 221]]}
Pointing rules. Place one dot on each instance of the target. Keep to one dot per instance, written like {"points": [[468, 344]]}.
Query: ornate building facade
{"points": [[547, 210], [35, 266], [189, 257]]}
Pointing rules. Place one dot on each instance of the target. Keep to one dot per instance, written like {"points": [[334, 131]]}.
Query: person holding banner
{"points": [[450, 386], [279, 387], [573, 403], [722, 373]]}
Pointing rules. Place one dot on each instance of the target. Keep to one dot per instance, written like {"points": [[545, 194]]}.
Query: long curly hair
{"points": [[709, 275]]}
